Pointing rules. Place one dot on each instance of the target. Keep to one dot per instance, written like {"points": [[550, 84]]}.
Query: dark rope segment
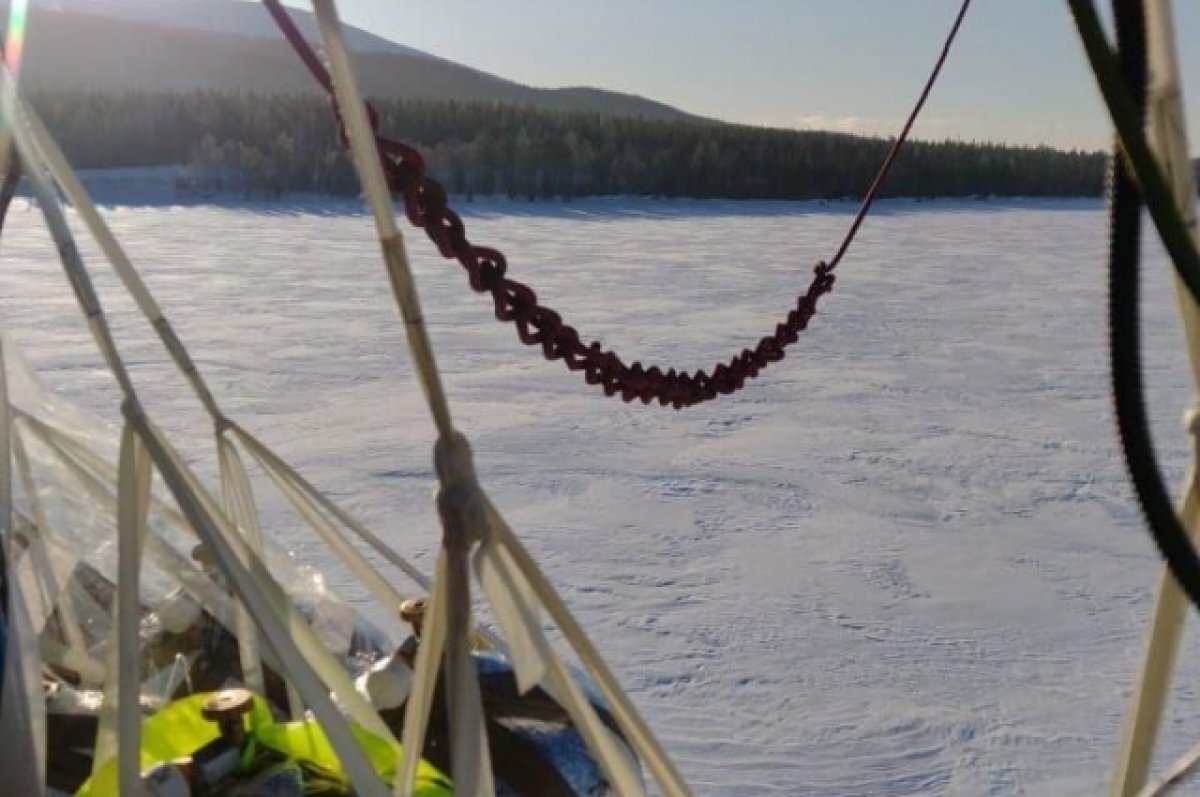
{"points": [[1125, 326], [427, 206]]}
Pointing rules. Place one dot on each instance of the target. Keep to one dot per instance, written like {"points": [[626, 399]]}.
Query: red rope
{"points": [[426, 206]]}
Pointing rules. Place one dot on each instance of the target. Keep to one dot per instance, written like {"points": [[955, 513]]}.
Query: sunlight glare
{"points": [[14, 44]]}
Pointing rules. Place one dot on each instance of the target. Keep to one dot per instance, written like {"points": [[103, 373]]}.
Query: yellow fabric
{"points": [[178, 729]]}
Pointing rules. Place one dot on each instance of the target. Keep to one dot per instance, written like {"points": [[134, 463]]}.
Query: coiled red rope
{"points": [[426, 205]]}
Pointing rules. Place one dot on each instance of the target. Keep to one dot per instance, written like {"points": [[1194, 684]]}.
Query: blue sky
{"points": [[1017, 73]]}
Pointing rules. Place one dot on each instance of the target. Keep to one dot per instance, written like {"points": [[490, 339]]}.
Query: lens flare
{"points": [[14, 44]]}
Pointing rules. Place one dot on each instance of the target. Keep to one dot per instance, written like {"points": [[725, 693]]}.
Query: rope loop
{"points": [[426, 206]]}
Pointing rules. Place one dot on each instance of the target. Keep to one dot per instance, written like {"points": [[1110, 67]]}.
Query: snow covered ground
{"points": [[904, 562]]}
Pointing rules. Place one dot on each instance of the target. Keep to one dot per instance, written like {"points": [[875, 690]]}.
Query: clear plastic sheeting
{"points": [[71, 558], [146, 587], [65, 570]]}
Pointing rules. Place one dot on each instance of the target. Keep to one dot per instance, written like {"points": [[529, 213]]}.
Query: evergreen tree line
{"points": [[284, 143]]}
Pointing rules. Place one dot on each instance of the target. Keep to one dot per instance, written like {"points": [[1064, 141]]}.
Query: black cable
{"points": [[1126, 118], [1125, 326]]}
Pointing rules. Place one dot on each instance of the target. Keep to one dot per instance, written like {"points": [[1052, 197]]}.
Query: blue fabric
{"points": [[561, 745]]}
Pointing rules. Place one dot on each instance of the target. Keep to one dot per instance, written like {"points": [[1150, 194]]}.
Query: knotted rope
{"points": [[426, 205]]}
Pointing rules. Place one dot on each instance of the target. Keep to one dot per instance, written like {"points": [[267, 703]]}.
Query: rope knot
{"points": [[460, 500], [132, 409]]}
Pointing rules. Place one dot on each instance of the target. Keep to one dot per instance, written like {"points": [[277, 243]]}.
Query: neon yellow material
{"points": [[179, 730]]}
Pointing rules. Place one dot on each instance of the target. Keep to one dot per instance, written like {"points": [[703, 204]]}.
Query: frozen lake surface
{"points": [[904, 561]]}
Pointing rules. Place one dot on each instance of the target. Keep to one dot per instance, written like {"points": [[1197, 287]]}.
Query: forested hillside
{"points": [[259, 144], [152, 45]]}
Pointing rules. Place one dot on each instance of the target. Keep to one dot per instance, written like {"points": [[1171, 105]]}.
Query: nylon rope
{"points": [[426, 206]]}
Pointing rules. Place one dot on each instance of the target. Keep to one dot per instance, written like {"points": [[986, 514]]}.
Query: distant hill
{"points": [[217, 16], [224, 45]]}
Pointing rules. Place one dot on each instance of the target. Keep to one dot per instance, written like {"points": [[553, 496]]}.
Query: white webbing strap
{"points": [[42, 571], [377, 585], [133, 506], [293, 640], [62, 173], [273, 463], [366, 161], [22, 704], [231, 473], [239, 507], [89, 303], [464, 524], [1168, 129], [53, 579], [1178, 774], [492, 560], [310, 665], [452, 586], [472, 759], [631, 723], [81, 462], [425, 672], [510, 593], [232, 480], [122, 684]]}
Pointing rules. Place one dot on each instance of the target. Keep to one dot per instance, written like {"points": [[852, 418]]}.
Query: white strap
{"points": [[54, 579], [270, 461], [368, 576], [370, 172], [42, 572], [310, 665], [264, 598], [632, 725], [64, 176], [472, 760], [81, 462], [425, 672], [133, 506], [238, 499], [507, 583]]}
